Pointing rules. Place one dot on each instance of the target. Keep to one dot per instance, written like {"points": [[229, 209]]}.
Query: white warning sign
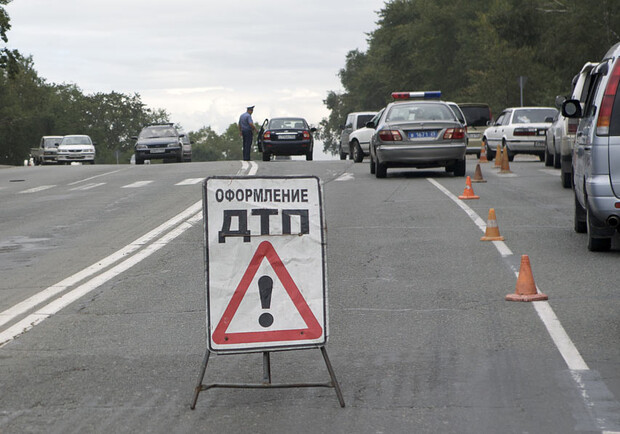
{"points": [[265, 268]]}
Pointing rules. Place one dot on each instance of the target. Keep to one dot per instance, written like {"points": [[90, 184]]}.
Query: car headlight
{"points": [[173, 145], [141, 147]]}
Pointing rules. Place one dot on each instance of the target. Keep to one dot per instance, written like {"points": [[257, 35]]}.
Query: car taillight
{"points": [[267, 135], [306, 135], [572, 126], [390, 136], [525, 132], [604, 114], [454, 134]]}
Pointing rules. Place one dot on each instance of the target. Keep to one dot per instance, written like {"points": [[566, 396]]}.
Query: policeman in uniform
{"points": [[246, 131]]}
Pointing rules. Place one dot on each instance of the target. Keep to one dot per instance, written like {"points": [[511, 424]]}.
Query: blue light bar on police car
{"points": [[435, 94]]}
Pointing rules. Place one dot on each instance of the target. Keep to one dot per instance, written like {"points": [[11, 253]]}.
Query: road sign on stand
{"points": [[266, 283]]}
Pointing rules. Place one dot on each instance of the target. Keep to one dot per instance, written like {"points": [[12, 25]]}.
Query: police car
{"points": [[417, 130]]}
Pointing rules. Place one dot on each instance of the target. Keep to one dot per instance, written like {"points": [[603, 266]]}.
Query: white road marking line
{"points": [[65, 300], [346, 177], [88, 186], [93, 177], [137, 184], [31, 302], [36, 189], [190, 181]]}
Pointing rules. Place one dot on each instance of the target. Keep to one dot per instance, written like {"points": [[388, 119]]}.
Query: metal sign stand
{"points": [[267, 384]]}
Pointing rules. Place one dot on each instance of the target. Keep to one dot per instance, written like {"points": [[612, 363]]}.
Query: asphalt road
{"points": [[103, 309]]}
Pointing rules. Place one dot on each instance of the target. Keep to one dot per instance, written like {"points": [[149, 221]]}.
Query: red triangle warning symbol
{"points": [[313, 329]]}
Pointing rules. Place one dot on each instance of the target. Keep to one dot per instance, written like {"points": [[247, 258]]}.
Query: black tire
{"points": [[266, 156], [490, 152], [342, 155], [459, 167], [380, 170], [309, 156], [579, 219], [372, 166], [139, 160], [358, 154], [567, 179], [548, 158]]}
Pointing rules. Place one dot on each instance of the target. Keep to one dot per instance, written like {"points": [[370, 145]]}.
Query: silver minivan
{"points": [[596, 154]]}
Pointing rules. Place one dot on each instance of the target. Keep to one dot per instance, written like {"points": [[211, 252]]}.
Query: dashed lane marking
{"points": [[88, 186], [137, 184], [36, 189], [190, 181]]}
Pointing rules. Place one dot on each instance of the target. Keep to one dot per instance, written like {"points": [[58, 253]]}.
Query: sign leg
{"points": [[202, 376], [266, 368], [332, 376]]}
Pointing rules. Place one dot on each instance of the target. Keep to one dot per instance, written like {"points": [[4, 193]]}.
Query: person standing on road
{"points": [[246, 131]]}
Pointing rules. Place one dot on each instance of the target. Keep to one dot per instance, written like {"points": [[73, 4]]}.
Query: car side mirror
{"points": [[371, 124], [57, 144], [572, 109], [313, 130], [181, 135], [134, 138], [559, 100], [550, 119], [489, 123]]}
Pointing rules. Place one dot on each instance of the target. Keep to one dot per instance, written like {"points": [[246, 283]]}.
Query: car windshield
{"points": [[477, 116], [50, 142], [362, 120], [531, 116], [420, 112], [287, 124], [156, 132], [76, 140]]}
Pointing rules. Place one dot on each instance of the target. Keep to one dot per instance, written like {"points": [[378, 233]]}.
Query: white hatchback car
{"points": [[521, 130], [359, 140]]}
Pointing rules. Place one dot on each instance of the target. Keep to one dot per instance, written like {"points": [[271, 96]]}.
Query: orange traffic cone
{"points": [[478, 174], [483, 154], [526, 288], [505, 167], [468, 193], [498, 157], [492, 231]]}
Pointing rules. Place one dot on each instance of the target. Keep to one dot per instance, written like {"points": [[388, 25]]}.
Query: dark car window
{"points": [[156, 132], [362, 120], [477, 116]]}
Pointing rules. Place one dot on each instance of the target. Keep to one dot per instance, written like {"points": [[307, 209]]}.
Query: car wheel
{"points": [[358, 155], [309, 155], [566, 179], [380, 170], [266, 156], [548, 158], [459, 167], [341, 153], [579, 219], [595, 244], [139, 160], [372, 165], [490, 153]]}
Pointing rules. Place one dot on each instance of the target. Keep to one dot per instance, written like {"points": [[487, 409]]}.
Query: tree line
{"points": [[473, 51]]}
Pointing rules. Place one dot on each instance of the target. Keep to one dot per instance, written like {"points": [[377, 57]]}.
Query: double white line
{"points": [[149, 244]]}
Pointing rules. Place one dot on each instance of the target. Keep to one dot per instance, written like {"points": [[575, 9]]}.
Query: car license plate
{"points": [[474, 135], [286, 136], [423, 134], [157, 151]]}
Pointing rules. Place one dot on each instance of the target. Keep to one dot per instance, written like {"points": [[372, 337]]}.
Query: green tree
{"points": [[8, 58]]}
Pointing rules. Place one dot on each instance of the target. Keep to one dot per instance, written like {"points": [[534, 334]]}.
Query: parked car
{"points": [[521, 130], [286, 136], [596, 154], [359, 140], [78, 148], [47, 151], [162, 141], [561, 134], [417, 130], [355, 120], [478, 117]]}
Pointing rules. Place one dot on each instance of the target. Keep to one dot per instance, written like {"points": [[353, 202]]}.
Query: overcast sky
{"points": [[202, 61]]}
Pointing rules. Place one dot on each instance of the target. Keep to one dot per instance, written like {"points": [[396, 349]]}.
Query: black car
{"points": [[162, 141], [286, 136]]}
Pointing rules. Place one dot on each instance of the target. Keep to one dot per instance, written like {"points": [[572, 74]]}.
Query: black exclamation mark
{"points": [[265, 287]]}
